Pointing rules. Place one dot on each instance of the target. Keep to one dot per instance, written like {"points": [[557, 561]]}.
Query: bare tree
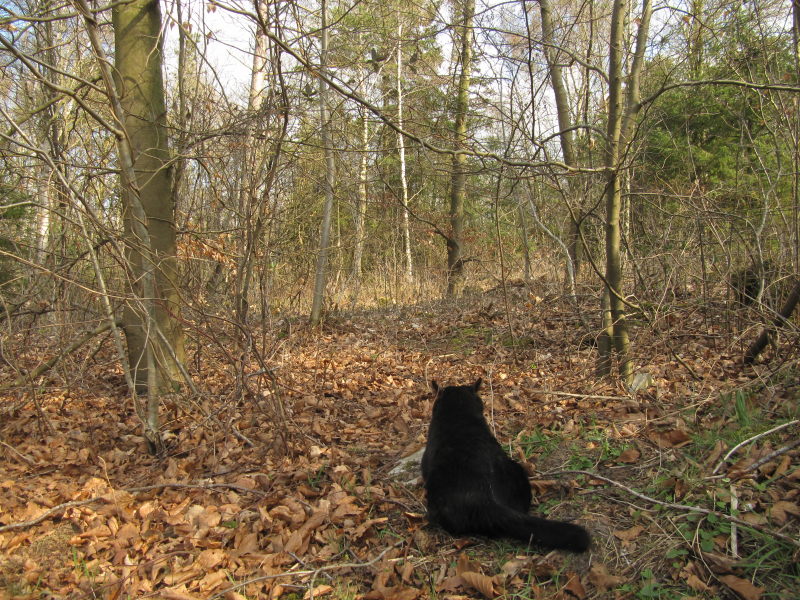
{"points": [[458, 177], [623, 109], [320, 272]]}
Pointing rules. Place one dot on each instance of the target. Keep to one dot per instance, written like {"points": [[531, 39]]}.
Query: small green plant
{"points": [[677, 555], [581, 461], [649, 588], [610, 449], [345, 591], [314, 479], [536, 443], [80, 565], [23, 588], [740, 406], [652, 588]]}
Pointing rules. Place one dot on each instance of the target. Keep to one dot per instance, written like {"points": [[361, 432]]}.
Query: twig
{"points": [[752, 439], [136, 490], [27, 459], [47, 514], [684, 507], [49, 364], [771, 455], [593, 397], [313, 572]]}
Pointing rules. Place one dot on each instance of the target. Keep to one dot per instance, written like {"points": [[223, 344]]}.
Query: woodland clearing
{"points": [[285, 492]]}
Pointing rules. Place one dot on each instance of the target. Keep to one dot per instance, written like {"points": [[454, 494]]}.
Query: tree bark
{"points": [[140, 85], [360, 214], [250, 209], [622, 114], [401, 148], [553, 58], [616, 308], [455, 258], [796, 157], [320, 273]]}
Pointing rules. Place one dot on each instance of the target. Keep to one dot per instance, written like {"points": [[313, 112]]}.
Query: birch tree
{"points": [[401, 149]]}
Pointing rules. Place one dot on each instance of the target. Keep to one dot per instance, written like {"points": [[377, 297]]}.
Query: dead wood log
{"points": [[780, 320], [53, 361]]}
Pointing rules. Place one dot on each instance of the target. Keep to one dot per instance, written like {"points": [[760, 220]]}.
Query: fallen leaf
{"points": [[213, 580], [126, 533], [511, 567], [697, 584], [629, 456], [574, 587], [398, 592], [781, 510], [742, 587], [601, 579], [481, 582], [629, 535], [169, 594], [359, 531], [298, 541], [674, 438], [321, 590], [208, 559], [716, 452], [407, 572], [546, 567], [691, 573], [451, 584], [465, 564]]}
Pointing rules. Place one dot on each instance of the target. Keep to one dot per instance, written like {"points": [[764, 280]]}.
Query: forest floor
{"points": [[286, 490]]}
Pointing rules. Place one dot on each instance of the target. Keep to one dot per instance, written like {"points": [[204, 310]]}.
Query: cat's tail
{"points": [[541, 532]]}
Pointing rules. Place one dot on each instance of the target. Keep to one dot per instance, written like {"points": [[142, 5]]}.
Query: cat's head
{"points": [[459, 397]]}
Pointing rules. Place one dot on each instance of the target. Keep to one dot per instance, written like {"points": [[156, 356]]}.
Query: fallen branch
{"points": [[571, 395], [684, 507], [49, 364], [752, 439], [313, 572], [781, 320], [25, 458], [136, 490], [775, 454], [52, 511]]}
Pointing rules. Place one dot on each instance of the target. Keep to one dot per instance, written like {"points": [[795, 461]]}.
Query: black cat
{"points": [[473, 487]]}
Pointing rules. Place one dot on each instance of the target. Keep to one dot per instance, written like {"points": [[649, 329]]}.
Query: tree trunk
{"points": [[796, 157], [553, 58], [401, 148], [138, 62], [621, 118], [552, 55], [359, 218], [455, 258], [525, 242], [250, 209], [320, 274]]}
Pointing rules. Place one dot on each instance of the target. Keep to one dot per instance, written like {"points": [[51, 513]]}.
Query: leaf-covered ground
{"points": [[287, 489]]}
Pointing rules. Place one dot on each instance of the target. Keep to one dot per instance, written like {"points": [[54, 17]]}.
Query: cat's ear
{"points": [[434, 387], [477, 384]]}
